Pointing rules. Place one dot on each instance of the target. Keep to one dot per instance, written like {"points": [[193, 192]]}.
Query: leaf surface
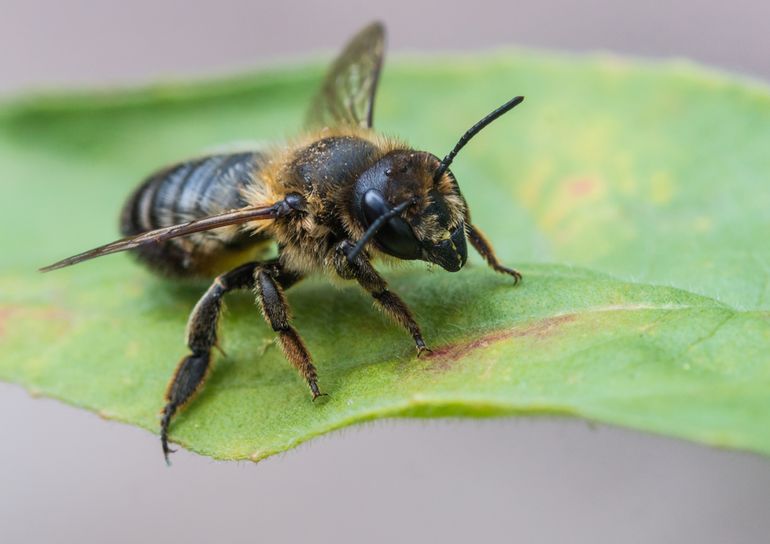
{"points": [[633, 196]]}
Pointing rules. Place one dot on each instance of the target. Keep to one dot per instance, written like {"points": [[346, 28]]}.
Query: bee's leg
{"points": [[364, 273], [269, 285], [482, 245], [202, 337]]}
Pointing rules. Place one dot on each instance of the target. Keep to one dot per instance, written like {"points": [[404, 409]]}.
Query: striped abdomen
{"points": [[187, 191]]}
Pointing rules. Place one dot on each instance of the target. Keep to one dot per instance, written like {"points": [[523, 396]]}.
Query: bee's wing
{"points": [[346, 97], [233, 217]]}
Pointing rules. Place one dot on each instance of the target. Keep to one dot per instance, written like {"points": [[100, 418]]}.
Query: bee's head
{"points": [[422, 218], [409, 203]]}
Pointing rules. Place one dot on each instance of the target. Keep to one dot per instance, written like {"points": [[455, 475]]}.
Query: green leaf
{"points": [[633, 196]]}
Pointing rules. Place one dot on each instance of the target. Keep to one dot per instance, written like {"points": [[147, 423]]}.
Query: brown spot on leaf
{"points": [[453, 352], [442, 358], [5, 314], [582, 187], [53, 314], [543, 328], [15, 311]]}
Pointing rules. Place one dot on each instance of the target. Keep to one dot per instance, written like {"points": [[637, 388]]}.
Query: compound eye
{"points": [[396, 236]]}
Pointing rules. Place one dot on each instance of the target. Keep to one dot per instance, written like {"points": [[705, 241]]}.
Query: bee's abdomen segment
{"points": [[187, 191]]}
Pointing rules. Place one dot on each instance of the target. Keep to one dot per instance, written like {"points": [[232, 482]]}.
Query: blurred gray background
{"points": [[67, 476]]}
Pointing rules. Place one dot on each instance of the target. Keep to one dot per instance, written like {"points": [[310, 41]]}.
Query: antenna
{"points": [[471, 132]]}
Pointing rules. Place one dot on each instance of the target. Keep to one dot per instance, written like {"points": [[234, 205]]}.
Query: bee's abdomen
{"points": [[187, 191]]}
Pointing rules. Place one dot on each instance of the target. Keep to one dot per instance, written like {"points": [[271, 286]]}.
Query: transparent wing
{"points": [[346, 97], [234, 217]]}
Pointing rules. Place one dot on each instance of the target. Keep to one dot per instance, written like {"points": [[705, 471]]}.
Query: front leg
{"points": [[367, 277], [480, 243]]}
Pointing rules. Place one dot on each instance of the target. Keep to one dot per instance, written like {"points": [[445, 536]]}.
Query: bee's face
{"points": [[432, 228]]}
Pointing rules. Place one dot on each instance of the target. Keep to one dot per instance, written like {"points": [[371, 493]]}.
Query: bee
{"points": [[334, 201]]}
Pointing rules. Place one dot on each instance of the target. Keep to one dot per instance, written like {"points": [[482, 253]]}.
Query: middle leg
{"points": [[275, 309]]}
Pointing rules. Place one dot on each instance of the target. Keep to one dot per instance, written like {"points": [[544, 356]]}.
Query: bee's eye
{"points": [[396, 236]]}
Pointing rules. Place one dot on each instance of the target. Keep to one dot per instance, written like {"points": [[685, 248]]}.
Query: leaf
{"points": [[633, 196]]}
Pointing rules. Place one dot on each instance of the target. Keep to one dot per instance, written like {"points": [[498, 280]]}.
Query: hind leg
{"points": [[202, 337]]}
